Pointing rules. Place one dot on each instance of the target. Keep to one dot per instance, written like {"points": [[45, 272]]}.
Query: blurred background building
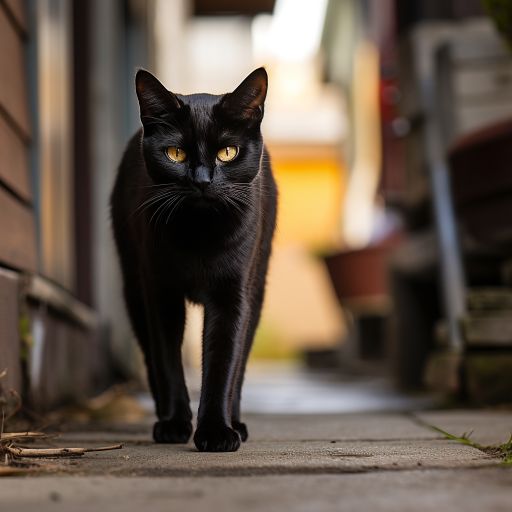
{"points": [[388, 124]]}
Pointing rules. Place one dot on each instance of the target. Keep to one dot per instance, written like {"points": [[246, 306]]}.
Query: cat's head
{"points": [[208, 147]]}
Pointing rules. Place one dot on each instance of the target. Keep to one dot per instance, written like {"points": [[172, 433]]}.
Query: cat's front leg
{"points": [[225, 318], [163, 357]]}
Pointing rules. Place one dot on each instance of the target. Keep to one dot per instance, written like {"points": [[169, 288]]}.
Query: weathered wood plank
{"points": [[9, 334], [67, 361], [488, 330], [59, 299], [13, 82], [489, 299], [17, 233], [14, 170]]}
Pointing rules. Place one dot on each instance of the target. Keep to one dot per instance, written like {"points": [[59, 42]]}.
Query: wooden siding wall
{"points": [[17, 226], [9, 337], [67, 360]]}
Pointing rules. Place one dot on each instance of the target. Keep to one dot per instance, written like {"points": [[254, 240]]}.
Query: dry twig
{"points": [[12, 452], [6, 437], [17, 451]]}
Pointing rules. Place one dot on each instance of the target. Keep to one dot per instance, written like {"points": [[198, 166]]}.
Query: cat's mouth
{"points": [[205, 193], [203, 197]]}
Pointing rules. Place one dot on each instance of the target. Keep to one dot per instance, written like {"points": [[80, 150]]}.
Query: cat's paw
{"points": [[241, 428], [172, 431], [219, 438]]}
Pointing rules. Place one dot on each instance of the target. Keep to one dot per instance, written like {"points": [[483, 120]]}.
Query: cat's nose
{"points": [[202, 177]]}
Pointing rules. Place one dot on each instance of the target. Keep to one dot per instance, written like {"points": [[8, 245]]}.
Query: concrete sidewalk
{"points": [[366, 462]]}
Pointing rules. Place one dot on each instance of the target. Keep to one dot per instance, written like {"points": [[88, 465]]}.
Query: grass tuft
{"points": [[502, 451]]}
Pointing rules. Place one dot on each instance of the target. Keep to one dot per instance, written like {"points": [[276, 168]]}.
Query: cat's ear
{"points": [[248, 99], [154, 99]]}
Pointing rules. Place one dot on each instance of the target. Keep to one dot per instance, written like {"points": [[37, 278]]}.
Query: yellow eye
{"points": [[227, 154], [176, 154]]}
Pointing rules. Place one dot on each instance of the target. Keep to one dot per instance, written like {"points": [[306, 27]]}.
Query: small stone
{"points": [[55, 496]]}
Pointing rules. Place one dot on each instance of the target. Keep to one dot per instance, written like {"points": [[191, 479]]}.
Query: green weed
{"points": [[502, 451]]}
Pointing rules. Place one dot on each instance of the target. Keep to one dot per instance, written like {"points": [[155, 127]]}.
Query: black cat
{"points": [[193, 210]]}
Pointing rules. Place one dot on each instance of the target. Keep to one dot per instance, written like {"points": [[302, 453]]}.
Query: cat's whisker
{"points": [[264, 190], [162, 198], [153, 200], [224, 201], [168, 206], [148, 202], [175, 208], [249, 187], [231, 202], [161, 208], [242, 197], [156, 211]]}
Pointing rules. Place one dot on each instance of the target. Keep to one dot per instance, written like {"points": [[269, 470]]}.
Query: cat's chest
{"points": [[198, 255], [197, 273], [198, 278]]}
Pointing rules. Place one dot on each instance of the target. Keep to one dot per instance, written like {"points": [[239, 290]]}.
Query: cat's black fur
{"points": [[200, 230]]}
